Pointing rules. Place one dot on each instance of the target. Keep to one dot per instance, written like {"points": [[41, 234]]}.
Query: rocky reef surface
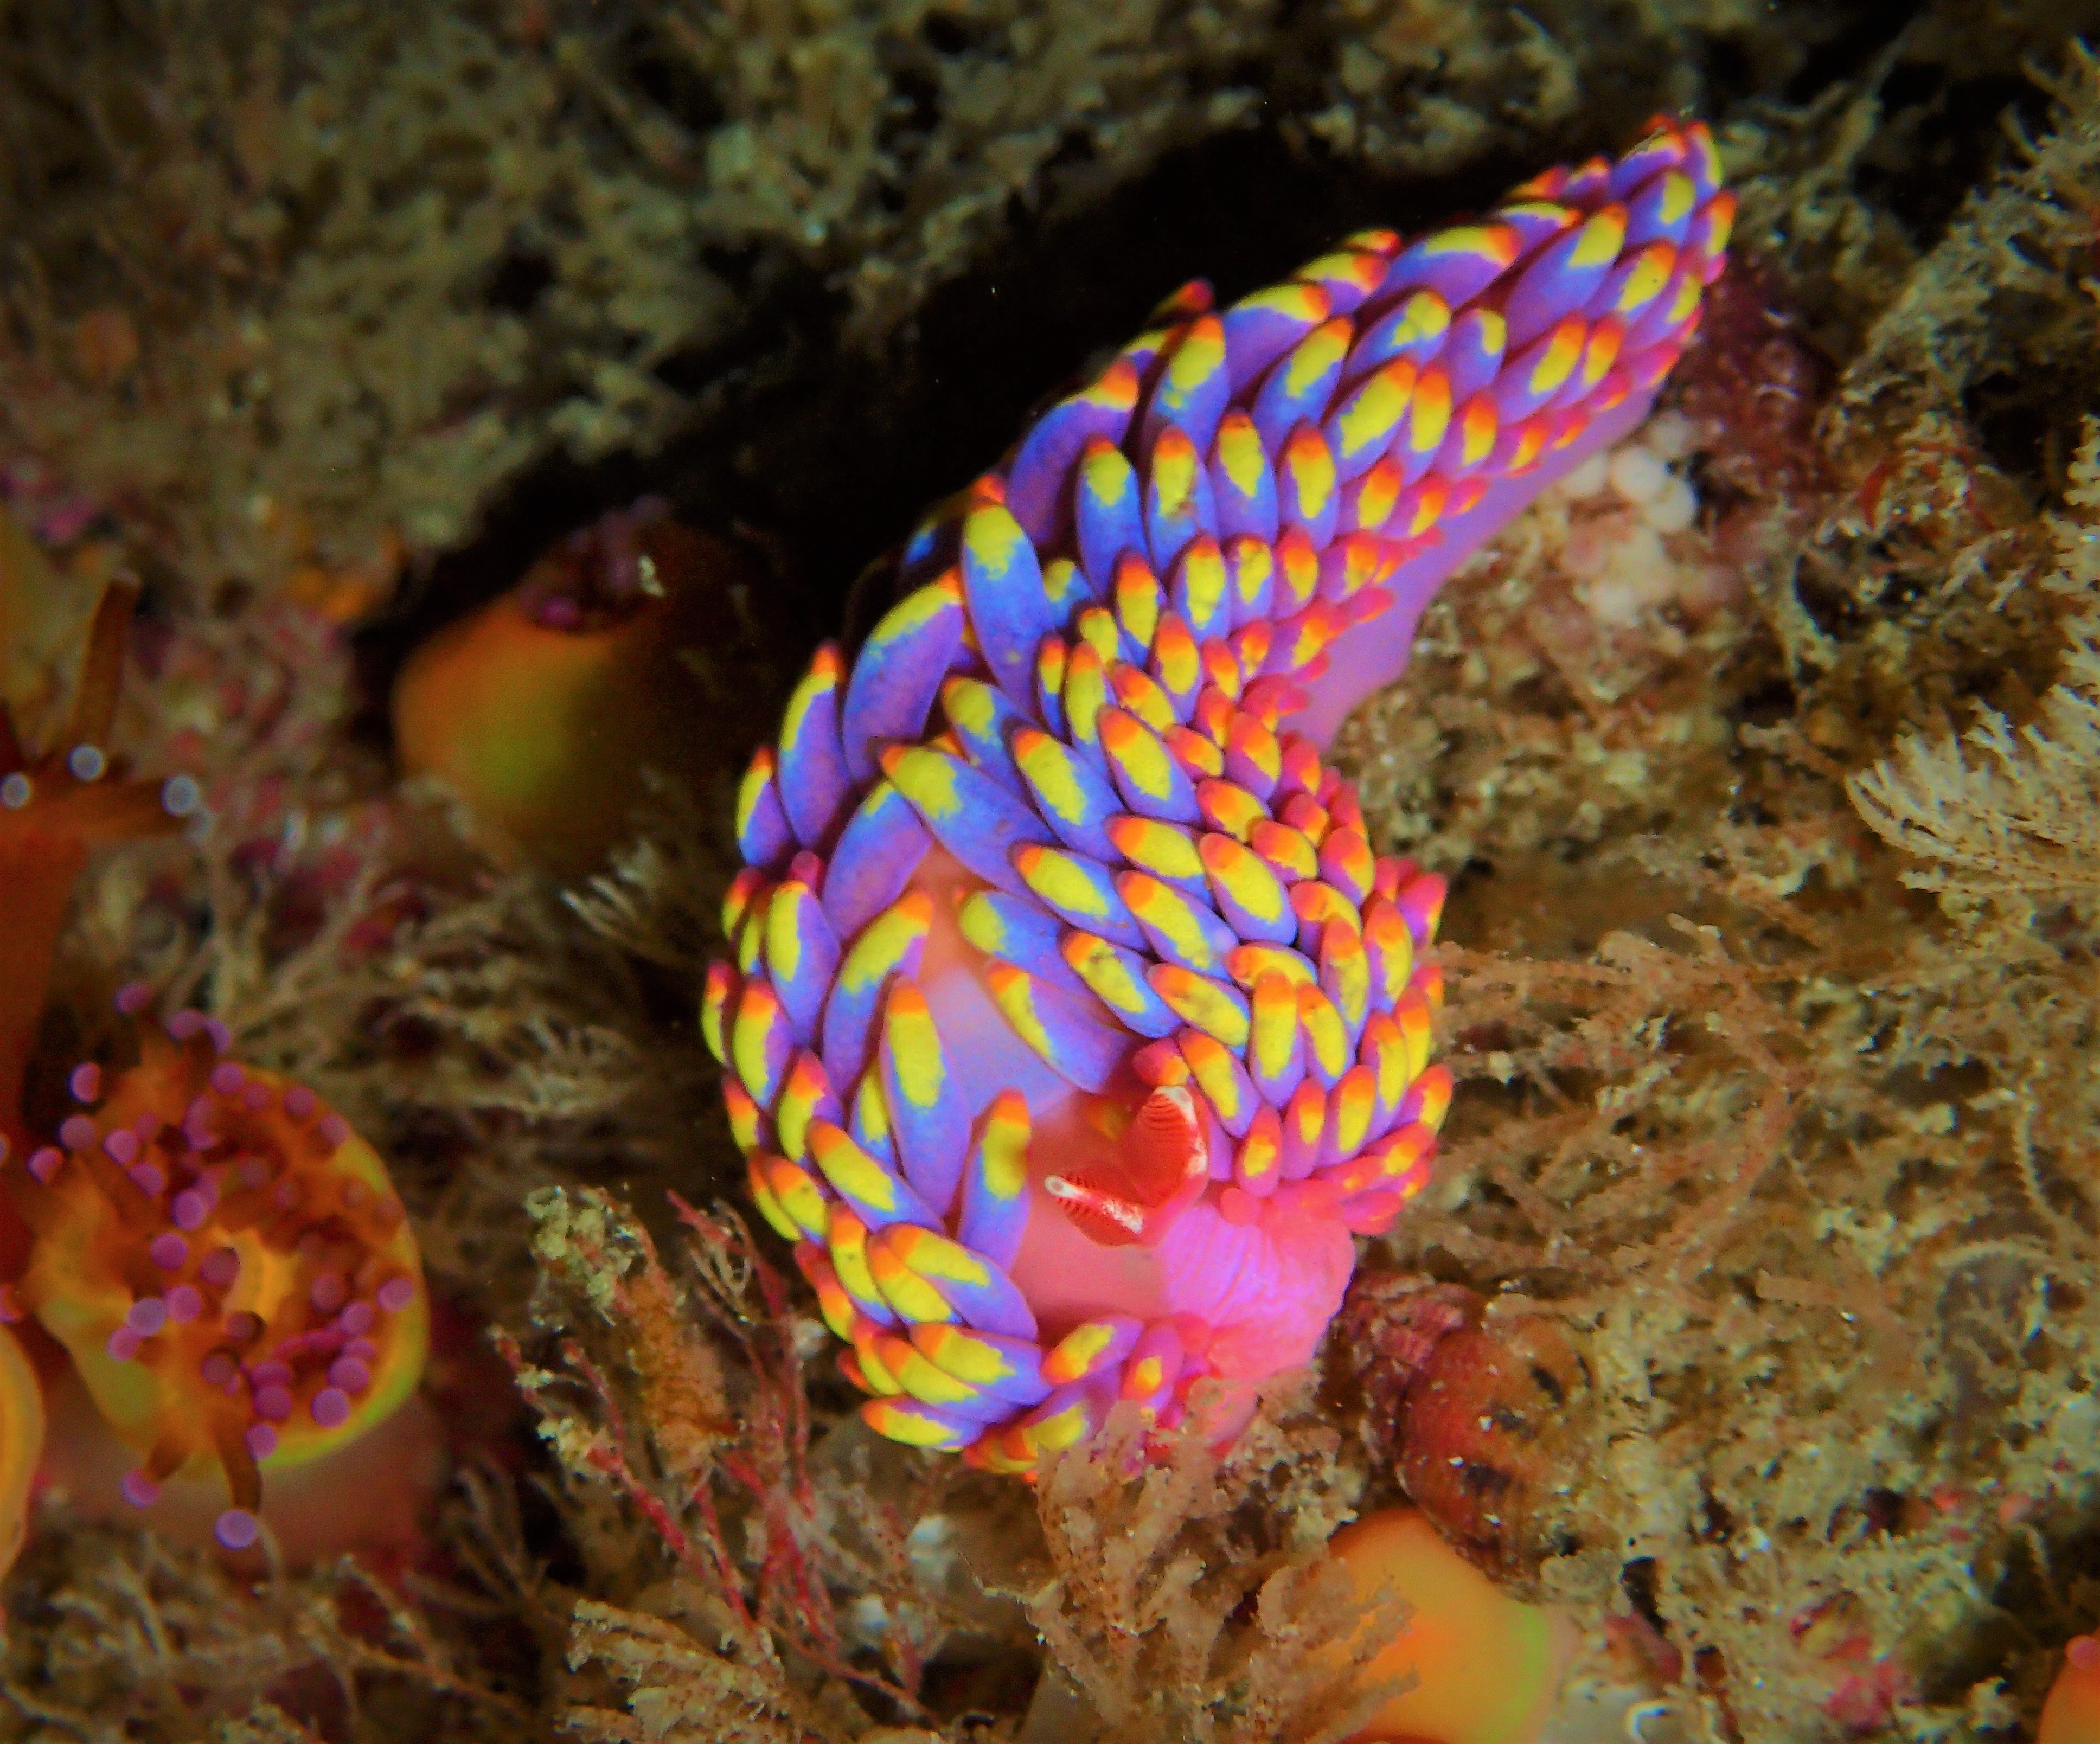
{"points": [[1749, 1315]]}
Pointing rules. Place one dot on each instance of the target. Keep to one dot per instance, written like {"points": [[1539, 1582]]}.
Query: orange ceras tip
{"points": [[226, 1262]]}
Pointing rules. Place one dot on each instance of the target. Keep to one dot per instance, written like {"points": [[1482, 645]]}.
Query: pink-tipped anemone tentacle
{"points": [[1074, 1029], [226, 1262]]}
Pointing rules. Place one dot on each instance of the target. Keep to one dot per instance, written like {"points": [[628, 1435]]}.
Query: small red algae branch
{"points": [[55, 808], [1486, 1668], [2071, 1714], [1074, 1029], [228, 1265], [541, 709]]}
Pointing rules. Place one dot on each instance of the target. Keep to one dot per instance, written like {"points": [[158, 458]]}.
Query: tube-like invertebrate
{"points": [[21, 1444], [542, 709]]}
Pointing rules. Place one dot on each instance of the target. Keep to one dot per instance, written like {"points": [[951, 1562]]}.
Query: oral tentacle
{"points": [[1075, 1028]]}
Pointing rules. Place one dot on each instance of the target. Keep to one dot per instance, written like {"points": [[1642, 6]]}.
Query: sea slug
{"points": [[1074, 1027]]}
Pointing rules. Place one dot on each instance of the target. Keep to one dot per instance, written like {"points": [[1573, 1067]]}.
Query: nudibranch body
{"points": [[1074, 1027], [226, 1264]]}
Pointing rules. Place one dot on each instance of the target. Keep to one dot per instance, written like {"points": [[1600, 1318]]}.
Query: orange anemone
{"points": [[2071, 1715], [541, 710], [226, 1264], [1486, 1667], [21, 1444]]}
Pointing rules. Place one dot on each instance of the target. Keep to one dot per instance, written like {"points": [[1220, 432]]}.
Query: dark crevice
{"points": [[831, 452], [1850, 49], [1942, 139], [520, 278]]}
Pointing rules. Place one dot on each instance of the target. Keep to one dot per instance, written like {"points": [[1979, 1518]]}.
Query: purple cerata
{"points": [[1075, 1030]]}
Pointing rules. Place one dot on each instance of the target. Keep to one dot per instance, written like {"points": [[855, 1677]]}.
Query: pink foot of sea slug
{"points": [[1075, 1028]]}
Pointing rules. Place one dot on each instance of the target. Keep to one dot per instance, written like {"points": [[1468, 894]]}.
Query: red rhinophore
{"points": [[1159, 1165]]}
